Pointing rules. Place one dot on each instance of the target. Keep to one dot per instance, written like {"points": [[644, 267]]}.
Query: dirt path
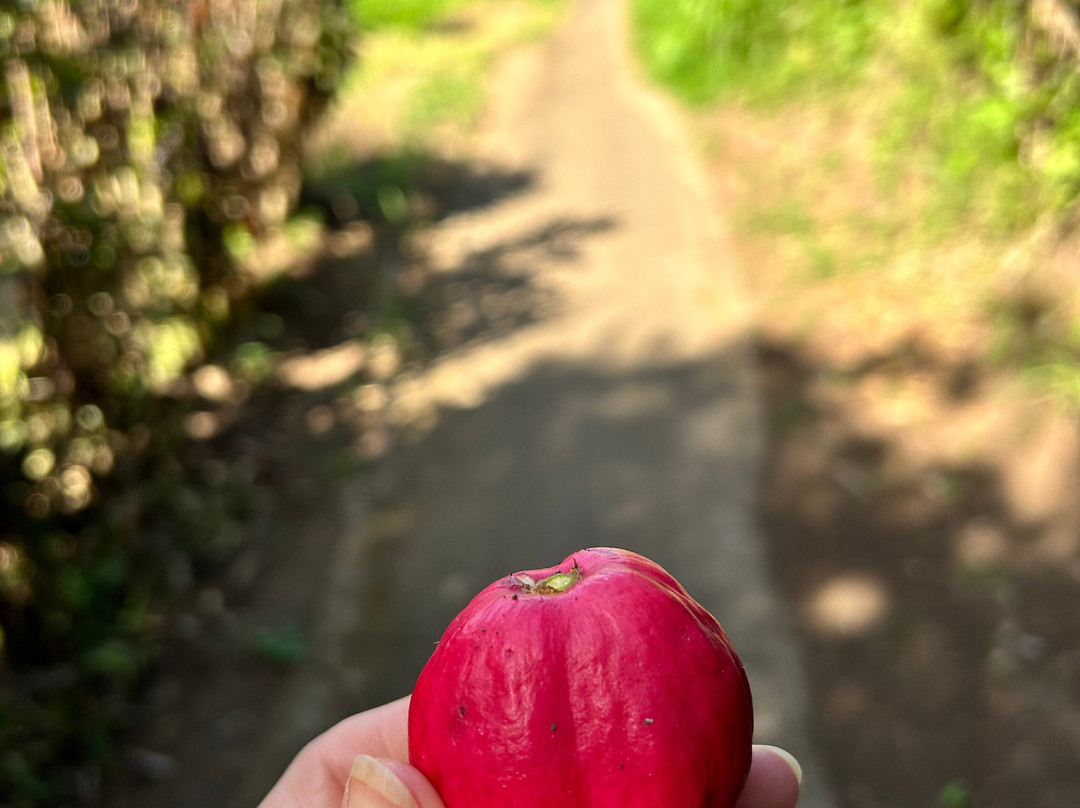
{"points": [[616, 409], [623, 414]]}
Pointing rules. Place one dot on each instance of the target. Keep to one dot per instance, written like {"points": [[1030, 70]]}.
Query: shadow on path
{"points": [[317, 418], [560, 459], [939, 620]]}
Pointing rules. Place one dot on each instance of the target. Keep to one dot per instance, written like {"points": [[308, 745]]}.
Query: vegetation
{"points": [[903, 179], [144, 148], [151, 163], [403, 14], [970, 96], [932, 134]]}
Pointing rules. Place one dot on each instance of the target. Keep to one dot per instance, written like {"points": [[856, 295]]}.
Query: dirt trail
{"points": [[623, 414], [620, 411]]}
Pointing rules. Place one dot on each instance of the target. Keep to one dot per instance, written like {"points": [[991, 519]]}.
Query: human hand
{"points": [[329, 773]]}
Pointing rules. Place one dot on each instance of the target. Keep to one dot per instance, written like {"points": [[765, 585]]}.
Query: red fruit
{"points": [[594, 684]]}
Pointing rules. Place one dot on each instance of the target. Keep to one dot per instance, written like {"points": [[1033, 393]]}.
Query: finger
{"points": [[773, 782], [381, 732], [383, 783], [319, 772]]}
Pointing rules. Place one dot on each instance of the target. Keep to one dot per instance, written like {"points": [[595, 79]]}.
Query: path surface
{"points": [[619, 412]]}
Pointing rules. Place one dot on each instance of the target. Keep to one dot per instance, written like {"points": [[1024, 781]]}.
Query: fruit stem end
{"points": [[552, 585]]}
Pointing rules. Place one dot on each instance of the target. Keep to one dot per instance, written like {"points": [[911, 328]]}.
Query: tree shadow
{"points": [[495, 291], [294, 408], [561, 457], [943, 643]]}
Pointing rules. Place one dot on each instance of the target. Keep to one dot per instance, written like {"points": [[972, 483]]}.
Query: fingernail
{"points": [[788, 758], [373, 785]]}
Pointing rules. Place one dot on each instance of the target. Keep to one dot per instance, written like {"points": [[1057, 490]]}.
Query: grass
{"points": [[958, 93], [409, 14], [950, 158], [759, 49], [411, 102], [418, 85]]}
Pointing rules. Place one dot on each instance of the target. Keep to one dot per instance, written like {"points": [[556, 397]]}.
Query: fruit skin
{"points": [[620, 690]]}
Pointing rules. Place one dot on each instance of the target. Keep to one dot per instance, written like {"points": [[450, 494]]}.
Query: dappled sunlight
{"points": [[563, 455], [213, 383], [934, 559], [634, 400], [847, 605], [981, 545], [202, 425], [327, 368]]}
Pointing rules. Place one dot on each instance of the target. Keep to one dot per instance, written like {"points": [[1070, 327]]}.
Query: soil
{"points": [[938, 613], [918, 497]]}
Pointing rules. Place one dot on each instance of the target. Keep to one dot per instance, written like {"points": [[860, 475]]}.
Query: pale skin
{"points": [[322, 774]]}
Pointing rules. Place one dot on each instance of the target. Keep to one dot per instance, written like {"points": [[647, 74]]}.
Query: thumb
{"points": [[384, 783]]}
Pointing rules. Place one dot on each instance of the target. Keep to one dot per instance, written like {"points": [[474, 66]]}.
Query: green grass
{"points": [[456, 95], [959, 95], [967, 125], [787, 217], [414, 14], [753, 49], [285, 646], [1038, 337], [422, 67]]}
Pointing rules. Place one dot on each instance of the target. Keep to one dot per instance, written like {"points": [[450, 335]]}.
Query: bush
{"points": [[144, 147]]}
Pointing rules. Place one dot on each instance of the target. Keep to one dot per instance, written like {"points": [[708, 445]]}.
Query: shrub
{"points": [[144, 145]]}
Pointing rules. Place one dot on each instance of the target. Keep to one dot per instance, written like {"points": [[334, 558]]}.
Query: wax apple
{"points": [[593, 684]]}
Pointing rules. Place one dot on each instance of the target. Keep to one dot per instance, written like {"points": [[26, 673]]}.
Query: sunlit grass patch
{"points": [[757, 50], [373, 14], [902, 158], [961, 96], [419, 78]]}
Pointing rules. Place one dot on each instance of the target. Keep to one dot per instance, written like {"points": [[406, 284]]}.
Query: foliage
{"points": [[761, 48], [140, 143], [971, 99], [410, 15], [398, 13], [285, 646]]}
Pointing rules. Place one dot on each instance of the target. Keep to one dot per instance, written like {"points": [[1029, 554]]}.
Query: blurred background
{"points": [[316, 317]]}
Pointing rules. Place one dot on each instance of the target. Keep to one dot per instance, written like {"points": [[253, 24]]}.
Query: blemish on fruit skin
{"points": [[461, 710], [647, 721], [553, 727]]}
